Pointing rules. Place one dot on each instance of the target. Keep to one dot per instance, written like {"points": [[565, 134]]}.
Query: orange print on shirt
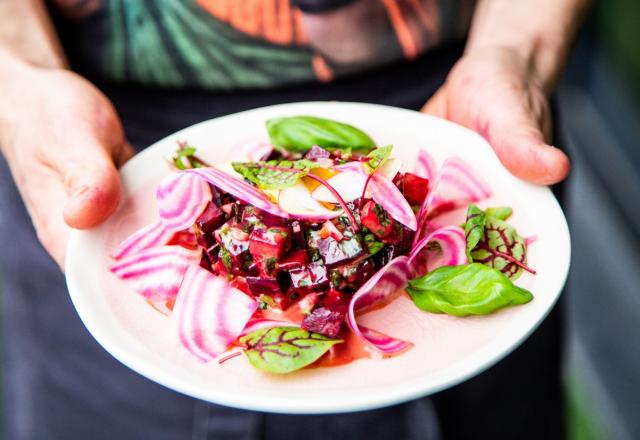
{"points": [[410, 19], [272, 20]]}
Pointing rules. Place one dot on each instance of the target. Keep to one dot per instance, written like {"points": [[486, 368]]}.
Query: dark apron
{"points": [[60, 384]]}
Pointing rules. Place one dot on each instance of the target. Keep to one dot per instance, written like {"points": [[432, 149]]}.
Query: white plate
{"points": [[447, 350]]}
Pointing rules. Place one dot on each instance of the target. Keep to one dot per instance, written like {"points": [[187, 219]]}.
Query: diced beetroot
{"points": [[415, 188], [328, 316], [240, 283], [228, 208], [334, 252], [263, 286], [376, 219], [233, 244], [268, 243], [294, 260], [207, 223], [350, 277], [312, 278], [219, 268], [298, 239]]}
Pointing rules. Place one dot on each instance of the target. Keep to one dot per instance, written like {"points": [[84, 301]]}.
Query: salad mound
{"points": [[278, 253]]}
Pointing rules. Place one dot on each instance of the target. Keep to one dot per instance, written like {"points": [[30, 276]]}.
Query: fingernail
{"points": [[79, 192]]}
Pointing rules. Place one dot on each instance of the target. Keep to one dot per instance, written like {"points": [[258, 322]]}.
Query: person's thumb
{"points": [[92, 184], [522, 149]]}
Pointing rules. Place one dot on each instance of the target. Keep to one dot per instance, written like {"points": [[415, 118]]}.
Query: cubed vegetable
{"points": [[270, 242], [350, 277], [414, 188], [311, 278], [329, 314], [333, 252], [376, 219]]}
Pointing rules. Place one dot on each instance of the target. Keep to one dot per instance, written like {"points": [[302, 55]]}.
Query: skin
{"points": [[67, 173]]}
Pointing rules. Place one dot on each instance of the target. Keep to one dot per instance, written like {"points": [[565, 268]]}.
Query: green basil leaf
{"points": [[284, 349], [500, 212], [298, 134], [474, 228], [502, 248], [274, 174], [377, 158], [473, 289]]}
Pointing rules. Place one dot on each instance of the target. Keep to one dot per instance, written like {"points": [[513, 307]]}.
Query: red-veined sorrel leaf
{"points": [[274, 174], [284, 349], [474, 228], [502, 248]]}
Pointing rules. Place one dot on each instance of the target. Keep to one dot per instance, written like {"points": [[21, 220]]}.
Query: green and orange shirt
{"points": [[242, 44]]}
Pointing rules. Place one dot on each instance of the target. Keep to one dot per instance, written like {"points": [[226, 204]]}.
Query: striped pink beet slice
{"points": [[260, 323], [456, 185], [387, 195], [182, 197], [156, 273], [452, 250], [210, 314], [382, 288], [425, 166], [238, 188], [384, 343], [150, 236]]}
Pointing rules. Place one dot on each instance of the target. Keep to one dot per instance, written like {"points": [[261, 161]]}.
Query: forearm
{"points": [[27, 34], [541, 31]]}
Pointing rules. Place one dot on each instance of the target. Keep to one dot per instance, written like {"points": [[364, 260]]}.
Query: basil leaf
{"points": [[274, 174], [284, 349], [298, 134], [473, 289], [500, 212], [377, 158], [474, 228], [502, 248]]}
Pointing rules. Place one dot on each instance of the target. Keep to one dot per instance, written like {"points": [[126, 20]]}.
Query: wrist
{"points": [[539, 31], [17, 78]]}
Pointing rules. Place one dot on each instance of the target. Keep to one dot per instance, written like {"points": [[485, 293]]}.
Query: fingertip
{"points": [[536, 163], [94, 201], [551, 166]]}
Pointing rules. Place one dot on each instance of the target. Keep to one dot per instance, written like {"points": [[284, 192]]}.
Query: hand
{"points": [[62, 140], [494, 92]]}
